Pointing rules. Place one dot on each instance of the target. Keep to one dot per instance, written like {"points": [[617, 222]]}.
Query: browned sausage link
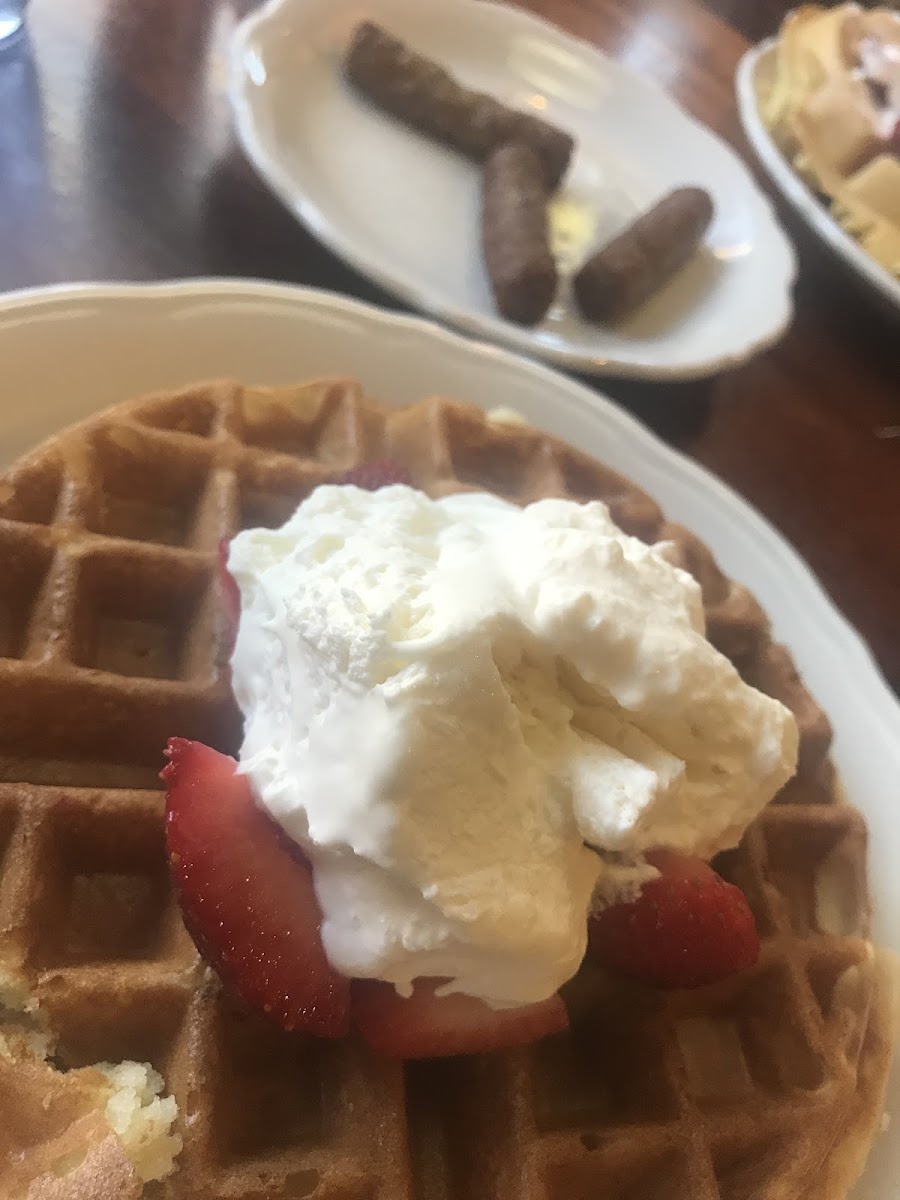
{"points": [[517, 254], [638, 262], [424, 95]]}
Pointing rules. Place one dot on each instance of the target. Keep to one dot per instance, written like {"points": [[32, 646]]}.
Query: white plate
{"points": [[69, 351], [406, 212], [754, 72]]}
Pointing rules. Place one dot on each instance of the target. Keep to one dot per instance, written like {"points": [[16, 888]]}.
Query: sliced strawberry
{"points": [[377, 474], [248, 904], [430, 1026], [686, 929], [231, 596]]}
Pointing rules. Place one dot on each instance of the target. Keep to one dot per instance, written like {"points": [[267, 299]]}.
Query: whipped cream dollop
{"points": [[476, 718]]}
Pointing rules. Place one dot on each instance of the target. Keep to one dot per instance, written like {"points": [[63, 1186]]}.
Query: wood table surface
{"points": [[117, 162]]}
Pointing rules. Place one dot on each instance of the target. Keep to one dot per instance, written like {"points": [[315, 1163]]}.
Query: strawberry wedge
{"points": [[379, 473], [430, 1026], [685, 929], [248, 904]]}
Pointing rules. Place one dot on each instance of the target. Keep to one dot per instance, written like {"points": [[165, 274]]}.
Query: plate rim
{"points": [[298, 203], [866, 677], [797, 193]]}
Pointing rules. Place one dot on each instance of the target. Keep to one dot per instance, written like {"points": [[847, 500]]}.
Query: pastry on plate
{"points": [[833, 108]]}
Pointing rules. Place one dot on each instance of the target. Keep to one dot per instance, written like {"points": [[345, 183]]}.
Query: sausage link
{"points": [[634, 265], [426, 97], [514, 234]]}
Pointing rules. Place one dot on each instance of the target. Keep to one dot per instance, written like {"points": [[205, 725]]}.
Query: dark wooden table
{"points": [[117, 162]]}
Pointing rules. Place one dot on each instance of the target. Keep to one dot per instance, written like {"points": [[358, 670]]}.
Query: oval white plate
{"points": [[406, 212], [754, 69], [55, 346]]}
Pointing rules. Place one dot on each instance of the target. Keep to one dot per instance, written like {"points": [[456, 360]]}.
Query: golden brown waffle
{"points": [[766, 1087]]}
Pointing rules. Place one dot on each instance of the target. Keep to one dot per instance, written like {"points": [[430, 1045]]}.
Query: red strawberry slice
{"points": [[430, 1026], [686, 929], [231, 597], [376, 474], [248, 904]]}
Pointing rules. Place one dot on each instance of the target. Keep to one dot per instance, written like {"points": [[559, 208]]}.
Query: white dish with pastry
{"points": [[821, 106]]}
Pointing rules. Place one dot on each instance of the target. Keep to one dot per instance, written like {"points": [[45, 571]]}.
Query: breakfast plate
{"points": [[55, 349], [755, 74], [405, 211]]}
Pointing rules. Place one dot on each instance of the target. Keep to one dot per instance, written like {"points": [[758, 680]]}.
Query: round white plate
{"points": [[68, 351], [406, 212], [754, 72]]}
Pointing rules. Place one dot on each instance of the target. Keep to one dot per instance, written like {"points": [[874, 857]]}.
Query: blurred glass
{"points": [[12, 19]]}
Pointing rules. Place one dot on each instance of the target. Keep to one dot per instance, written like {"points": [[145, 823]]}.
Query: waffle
{"points": [[768, 1086]]}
